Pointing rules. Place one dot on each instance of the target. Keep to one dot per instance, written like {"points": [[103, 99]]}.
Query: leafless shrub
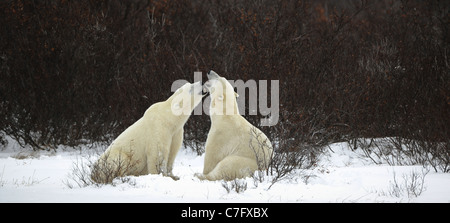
{"points": [[412, 184], [237, 185], [405, 151], [2, 182], [87, 171], [438, 155], [106, 169], [288, 159]]}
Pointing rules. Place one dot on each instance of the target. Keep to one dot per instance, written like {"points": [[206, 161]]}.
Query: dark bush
{"points": [[76, 71]]}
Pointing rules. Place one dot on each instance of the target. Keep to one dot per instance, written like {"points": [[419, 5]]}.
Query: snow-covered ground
{"points": [[341, 176]]}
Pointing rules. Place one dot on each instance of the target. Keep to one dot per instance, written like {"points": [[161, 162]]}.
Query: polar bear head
{"points": [[186, 98], [223, 96]]}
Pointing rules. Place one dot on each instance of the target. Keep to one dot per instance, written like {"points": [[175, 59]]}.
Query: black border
{"points": [[275, 212]]}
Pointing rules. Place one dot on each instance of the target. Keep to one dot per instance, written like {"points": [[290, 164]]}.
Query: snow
{"points": [[342, 175]]}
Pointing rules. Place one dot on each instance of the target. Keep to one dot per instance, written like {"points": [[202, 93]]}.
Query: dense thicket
{"points": [[77, 71]]}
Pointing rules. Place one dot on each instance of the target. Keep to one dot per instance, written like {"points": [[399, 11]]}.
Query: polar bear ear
{"points": [[236, 94]]}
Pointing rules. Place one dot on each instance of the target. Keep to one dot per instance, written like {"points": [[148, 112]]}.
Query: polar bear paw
{"points": [[200, 176]]}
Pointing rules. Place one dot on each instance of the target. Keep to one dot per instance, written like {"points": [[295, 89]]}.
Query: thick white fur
{"points": [[150, 145], [234, 147]]}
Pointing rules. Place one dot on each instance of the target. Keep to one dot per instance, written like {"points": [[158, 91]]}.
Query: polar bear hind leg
{"points": [[232, 167]]}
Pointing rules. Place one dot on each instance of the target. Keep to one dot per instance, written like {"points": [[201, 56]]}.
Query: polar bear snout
{"points": [[196, 88], [212, 75]]}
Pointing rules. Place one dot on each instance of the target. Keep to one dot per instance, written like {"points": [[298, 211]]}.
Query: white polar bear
{"points": [[234, 147], [150, 145]]}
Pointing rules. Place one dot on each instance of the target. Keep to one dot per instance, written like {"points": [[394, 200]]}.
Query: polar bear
{"points": [[150, 145], [234, 147]]}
